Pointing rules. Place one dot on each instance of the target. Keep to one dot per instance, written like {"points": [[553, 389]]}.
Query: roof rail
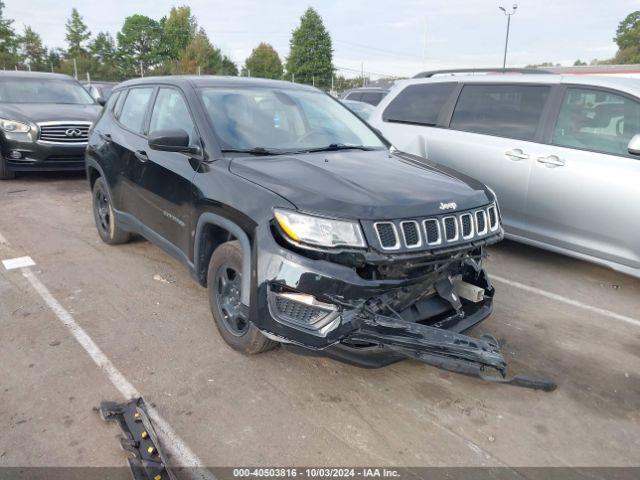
{"points": [[453, 71]]}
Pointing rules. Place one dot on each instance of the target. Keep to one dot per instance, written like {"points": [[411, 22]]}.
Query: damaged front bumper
{"points": [[327, 306]]}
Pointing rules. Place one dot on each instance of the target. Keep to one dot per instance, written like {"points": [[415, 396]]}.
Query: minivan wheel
{"points": [[224, 280], [104, 217], [5, 173]]}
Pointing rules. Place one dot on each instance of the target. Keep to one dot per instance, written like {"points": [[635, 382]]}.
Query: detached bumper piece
{"points": [[477, 357], [139, 439]]}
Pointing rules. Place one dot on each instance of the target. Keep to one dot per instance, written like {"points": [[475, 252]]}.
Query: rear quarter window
{"points": [[419, 104]]}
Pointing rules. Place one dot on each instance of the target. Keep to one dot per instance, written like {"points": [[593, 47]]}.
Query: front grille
{"points": [[481, 222], [68, 132], [411, 234], [432, 229], [387, 235], [450, 229], [466, 224]]}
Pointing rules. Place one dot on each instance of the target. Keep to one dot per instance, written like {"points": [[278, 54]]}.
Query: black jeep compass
{"points": [[308, 229], [44, 122]]}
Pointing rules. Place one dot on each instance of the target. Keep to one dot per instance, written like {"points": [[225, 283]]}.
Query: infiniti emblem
{"points": [[73, 132]]}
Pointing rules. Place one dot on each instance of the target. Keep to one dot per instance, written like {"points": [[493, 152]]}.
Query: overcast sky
{"points": [[387, 36]]}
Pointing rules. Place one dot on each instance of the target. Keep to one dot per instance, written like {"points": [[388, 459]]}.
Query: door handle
{"points": [[141, 155], [552, 161], [516, 155]]}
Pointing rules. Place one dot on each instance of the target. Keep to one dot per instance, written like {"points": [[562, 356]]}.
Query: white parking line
{"points": [[568, 301], [180, 452], [20, 262]]}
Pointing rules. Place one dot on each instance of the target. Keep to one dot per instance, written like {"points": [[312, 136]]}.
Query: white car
{"points": [[561, 152]]}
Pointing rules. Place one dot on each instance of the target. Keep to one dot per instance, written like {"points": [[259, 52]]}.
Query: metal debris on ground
{"points": [[146, 461]]}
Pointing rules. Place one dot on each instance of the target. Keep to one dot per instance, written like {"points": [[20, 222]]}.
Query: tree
{"points": [[201, 56], [178, 29], [77, 34], [579, 63], [104, 54], [311, 51], [32, 49], [628, 39], [8, 41], [139, 43], [263, 62]]}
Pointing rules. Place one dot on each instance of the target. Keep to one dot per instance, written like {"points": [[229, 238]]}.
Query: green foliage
{"points": [[105, 55], [32, 49], [628, 39], [139, 43], [8, 41], [579, 63], [263, 62], [311, 51], [77, 34], [200, 53], [178, 29]]}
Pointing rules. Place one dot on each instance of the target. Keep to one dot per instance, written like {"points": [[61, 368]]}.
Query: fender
{"points": [[211, 218]]}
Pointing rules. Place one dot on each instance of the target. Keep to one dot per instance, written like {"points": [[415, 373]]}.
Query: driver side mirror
{"points": [[634, 145], [101, 101], [172, 140]]}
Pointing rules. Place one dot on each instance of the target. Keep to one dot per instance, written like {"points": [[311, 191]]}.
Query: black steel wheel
{"points": [[224, 281], [108, 228]]}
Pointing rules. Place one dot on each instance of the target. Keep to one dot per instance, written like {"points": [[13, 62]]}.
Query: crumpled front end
{"points": [[370, 308]]}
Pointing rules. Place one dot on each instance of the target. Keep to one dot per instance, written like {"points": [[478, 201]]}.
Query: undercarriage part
{"points": [[146, 461], [476, 357]]}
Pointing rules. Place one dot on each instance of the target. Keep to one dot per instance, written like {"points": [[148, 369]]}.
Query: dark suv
{"points": [[307, 227], [44, 122]]}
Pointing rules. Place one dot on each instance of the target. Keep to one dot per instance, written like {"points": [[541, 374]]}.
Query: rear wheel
{"points": [[224, 280], [106, 223], [5, 173]]}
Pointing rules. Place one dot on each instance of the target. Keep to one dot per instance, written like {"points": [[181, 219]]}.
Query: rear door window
{"points": [[511, 111], [596, 120], [135, 108], [419, 104]]}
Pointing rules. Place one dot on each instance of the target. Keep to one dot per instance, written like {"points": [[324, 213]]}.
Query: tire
{"points": [[108, 229], [224, 280], [5, 173]]}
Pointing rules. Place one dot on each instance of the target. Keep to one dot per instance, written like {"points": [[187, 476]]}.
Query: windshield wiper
{"points": [[255, 151], [334, 147]]}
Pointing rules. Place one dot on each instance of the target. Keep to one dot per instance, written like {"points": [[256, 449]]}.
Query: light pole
{"points": [[506, 41]]}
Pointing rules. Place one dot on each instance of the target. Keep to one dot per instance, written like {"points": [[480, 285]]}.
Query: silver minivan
{"points": [[560, 151]]}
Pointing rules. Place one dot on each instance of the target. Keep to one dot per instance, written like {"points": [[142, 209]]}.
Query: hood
{"points": [[365, 185], [45, 112]]}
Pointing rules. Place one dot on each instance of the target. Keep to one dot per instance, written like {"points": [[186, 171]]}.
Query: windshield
{"points": [[43, 90], [283, 120]]}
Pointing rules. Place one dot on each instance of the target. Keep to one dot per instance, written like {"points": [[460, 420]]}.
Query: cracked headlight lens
{"points": [[323, 232], [13, 126]]}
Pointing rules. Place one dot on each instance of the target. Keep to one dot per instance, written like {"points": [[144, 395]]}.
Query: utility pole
{"points": [[313, 80], [199, 70], [506, 40], [362, 72], [75, 69], [141, 70]]}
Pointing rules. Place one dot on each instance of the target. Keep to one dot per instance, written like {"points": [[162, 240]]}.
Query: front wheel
{"points": [[224, 281]]}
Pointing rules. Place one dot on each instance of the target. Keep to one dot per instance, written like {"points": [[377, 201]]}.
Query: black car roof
{"points": [[23, 74], [200, 81]]}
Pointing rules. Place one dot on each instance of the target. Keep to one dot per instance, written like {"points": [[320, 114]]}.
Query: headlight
{"points": [[13, 126], [323, 232]]}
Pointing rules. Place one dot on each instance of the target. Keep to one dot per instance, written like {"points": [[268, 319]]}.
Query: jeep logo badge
{"points": [[73, 132], [448, 206]]}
